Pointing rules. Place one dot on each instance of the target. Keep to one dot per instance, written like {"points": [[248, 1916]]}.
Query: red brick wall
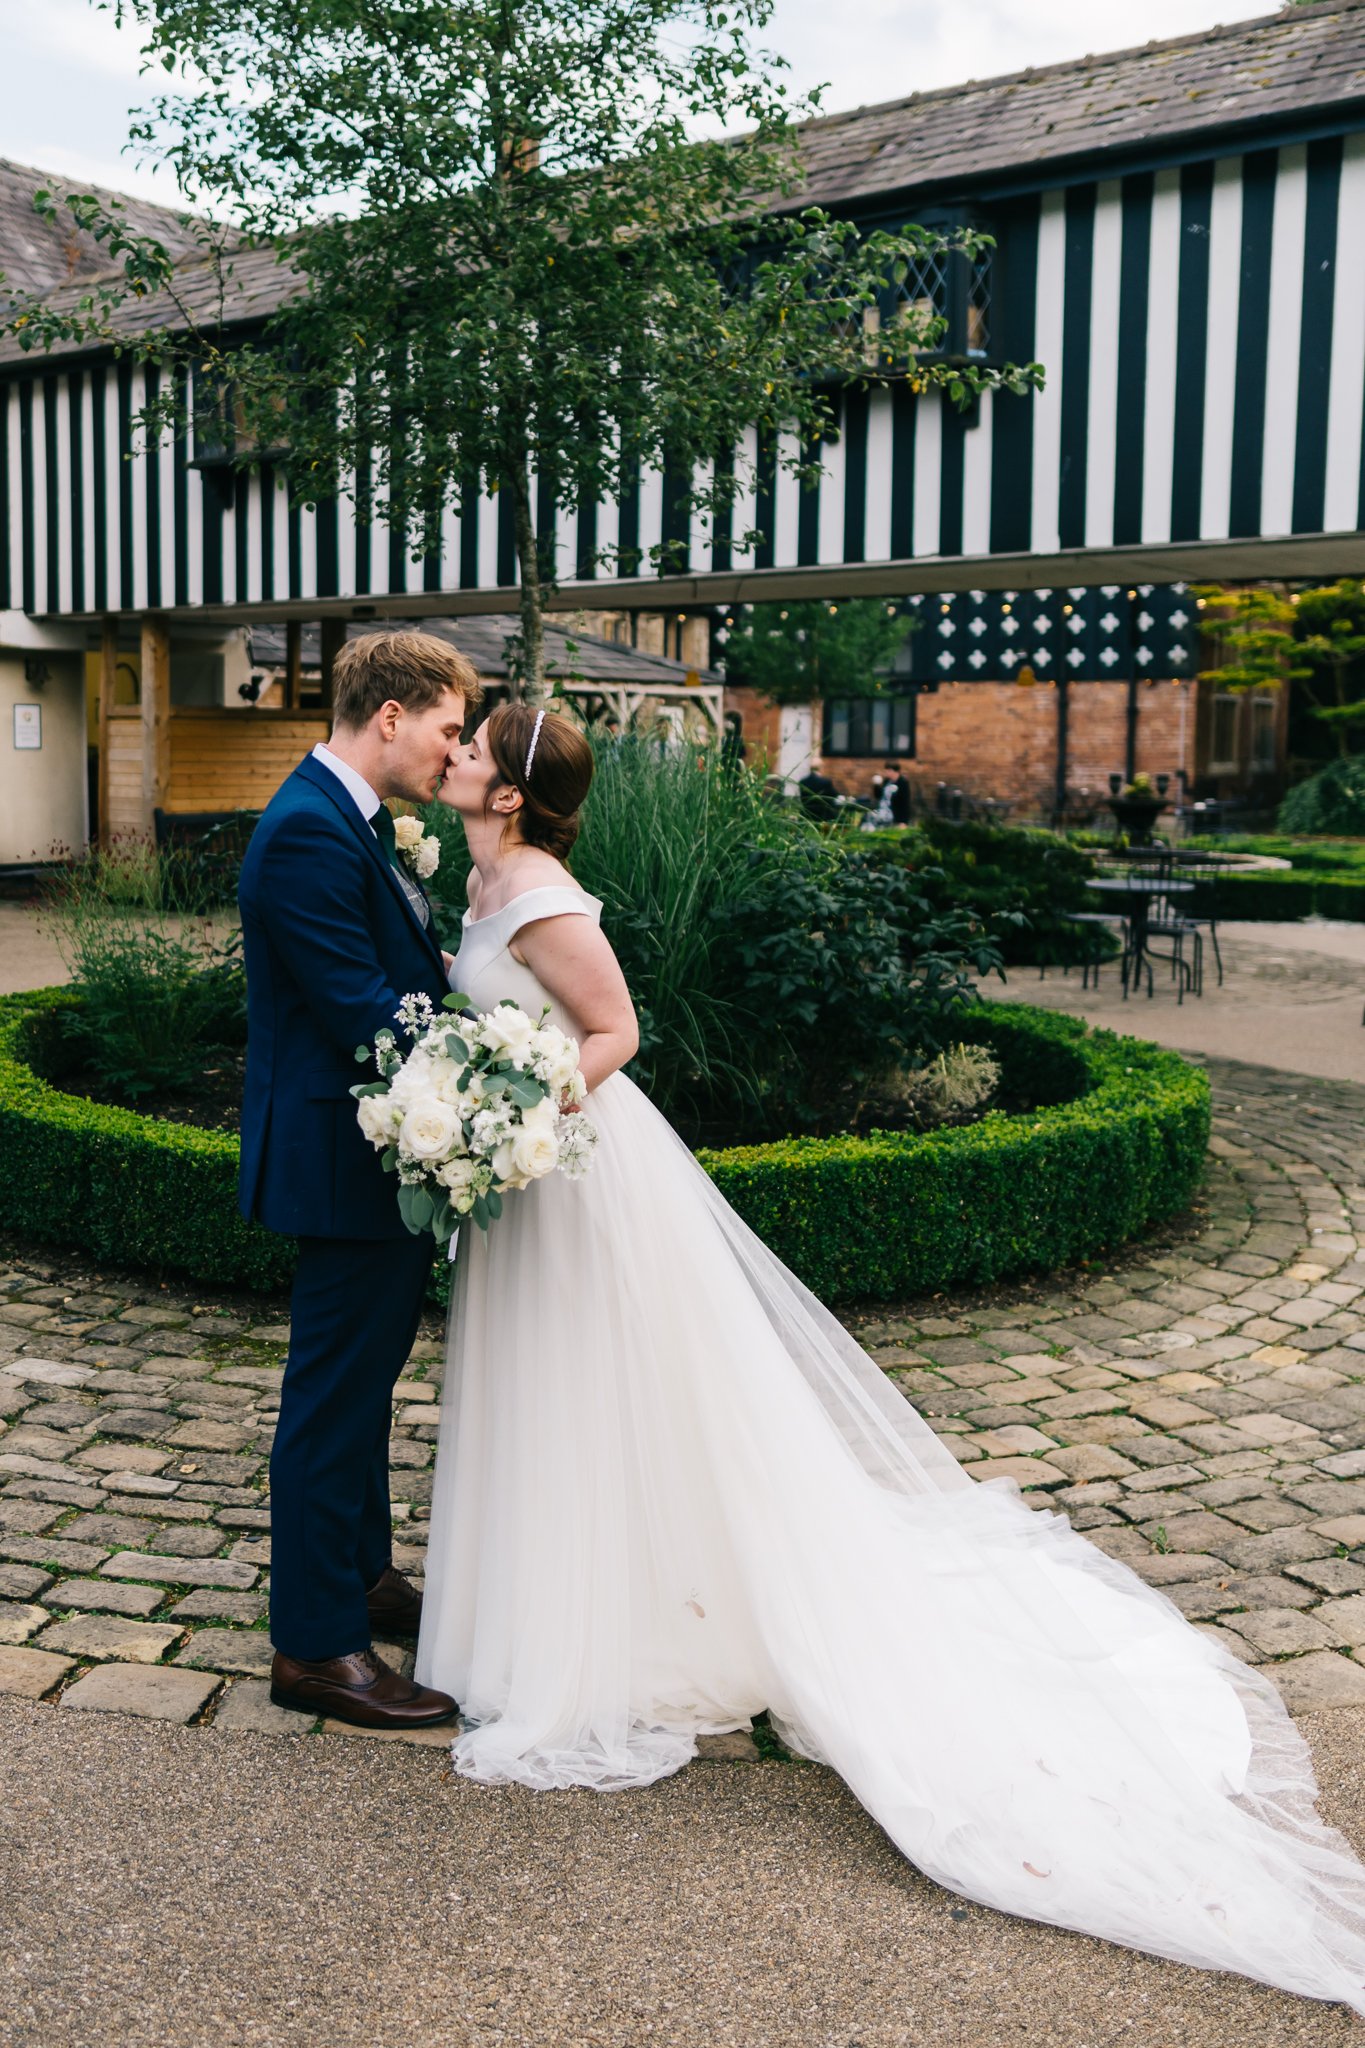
{"points": [[1000, 740]]}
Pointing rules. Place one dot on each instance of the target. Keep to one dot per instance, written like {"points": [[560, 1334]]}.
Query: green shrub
{"points": [[161, 987], [1114, 1142], [1019, 884], [842, 973], [1333, 800]]}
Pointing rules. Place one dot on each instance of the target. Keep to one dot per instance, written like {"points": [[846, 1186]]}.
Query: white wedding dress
{"points": [[672, 1491]]}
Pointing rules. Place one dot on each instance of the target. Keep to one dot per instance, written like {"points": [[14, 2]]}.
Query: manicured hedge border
{"points": [[125, 1187], [1278, 894], [1121, 1146], [894, 1216]]}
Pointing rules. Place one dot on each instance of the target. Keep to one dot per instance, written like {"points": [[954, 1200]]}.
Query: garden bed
{"points": [[1117, 1144]]}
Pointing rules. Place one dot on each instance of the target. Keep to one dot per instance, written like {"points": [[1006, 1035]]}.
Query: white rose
{"points": [[407, 833], [510, 1031], [375, 1118], [429, 1129], [445, 1082], [505, 1170], [535, 1148], [428, 857]]}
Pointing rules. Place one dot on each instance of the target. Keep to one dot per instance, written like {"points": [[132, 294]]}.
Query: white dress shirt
{"points": [[367, 803], [364, 798]]}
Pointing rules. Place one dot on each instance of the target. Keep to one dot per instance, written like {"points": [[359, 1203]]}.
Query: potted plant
{"points": [[1137, 806]]}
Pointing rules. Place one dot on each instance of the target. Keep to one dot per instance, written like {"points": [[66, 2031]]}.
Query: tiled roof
{"points": [[482, 638], [1297, 62], [1301, 62], [39, 256]]}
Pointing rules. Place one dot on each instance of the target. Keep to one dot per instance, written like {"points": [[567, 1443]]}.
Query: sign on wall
{"points": [[28, 727]]}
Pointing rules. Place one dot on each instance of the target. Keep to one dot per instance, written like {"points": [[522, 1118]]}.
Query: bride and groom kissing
{"points": [[671, 1492]]}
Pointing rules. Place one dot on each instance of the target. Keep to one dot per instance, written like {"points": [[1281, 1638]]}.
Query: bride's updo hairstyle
{"points": [[561, 773]]}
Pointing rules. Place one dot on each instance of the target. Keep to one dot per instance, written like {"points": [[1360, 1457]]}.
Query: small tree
{"points": [[795, 652], [518, 258], [1315, 638]]}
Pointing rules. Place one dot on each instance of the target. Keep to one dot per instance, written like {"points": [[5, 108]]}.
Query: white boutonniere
{"points": [[420, 850]]}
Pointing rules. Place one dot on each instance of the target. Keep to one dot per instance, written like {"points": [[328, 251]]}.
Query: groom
{"points": [[335, 933]]}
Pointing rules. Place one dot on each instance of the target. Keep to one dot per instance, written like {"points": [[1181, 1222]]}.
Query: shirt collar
{"points": [[364, 798]]}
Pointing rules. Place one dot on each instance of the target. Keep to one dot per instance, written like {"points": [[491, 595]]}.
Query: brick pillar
{"points": [[156, 718]]}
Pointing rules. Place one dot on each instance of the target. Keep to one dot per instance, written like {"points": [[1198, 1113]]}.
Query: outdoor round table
{"points": [[1138, 891]]}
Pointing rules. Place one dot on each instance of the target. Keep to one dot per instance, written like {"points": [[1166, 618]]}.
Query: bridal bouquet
{"points": [[475, 1106]]}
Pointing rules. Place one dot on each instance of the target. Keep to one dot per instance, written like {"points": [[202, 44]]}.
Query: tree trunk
{"points": [[531, 683]]}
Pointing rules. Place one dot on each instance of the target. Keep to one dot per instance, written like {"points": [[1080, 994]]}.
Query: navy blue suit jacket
{"points": [[331, 944]]}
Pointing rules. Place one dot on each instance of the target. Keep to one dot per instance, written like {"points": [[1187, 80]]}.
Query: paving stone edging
{"points": [[1198, 1409]]}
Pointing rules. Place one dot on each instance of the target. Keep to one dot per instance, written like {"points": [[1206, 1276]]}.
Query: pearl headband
{"points": [[531, 750]]}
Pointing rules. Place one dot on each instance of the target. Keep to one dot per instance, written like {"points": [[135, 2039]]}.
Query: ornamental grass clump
{"points": [[160, 981], [781, 976]]}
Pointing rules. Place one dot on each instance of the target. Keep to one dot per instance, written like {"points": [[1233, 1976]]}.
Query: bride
{"points": [[671, 1491]]}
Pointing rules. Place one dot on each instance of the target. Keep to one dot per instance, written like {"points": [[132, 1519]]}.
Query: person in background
{"points": [[819, 797], [895, 794]]}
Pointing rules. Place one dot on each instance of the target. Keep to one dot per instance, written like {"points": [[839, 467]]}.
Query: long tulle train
{"points": [[672, 1491]]}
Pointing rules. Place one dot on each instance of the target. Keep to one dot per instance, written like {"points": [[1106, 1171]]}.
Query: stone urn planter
{"points": [[1137, 815]]}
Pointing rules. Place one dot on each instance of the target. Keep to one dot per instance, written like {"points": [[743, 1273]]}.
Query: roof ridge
{"points": [[1222, 31], [65, 182]]}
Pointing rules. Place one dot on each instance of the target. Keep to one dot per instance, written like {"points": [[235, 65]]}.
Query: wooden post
{"points": [[293, 664], [333, 640], [156, 719], [108, 683]]}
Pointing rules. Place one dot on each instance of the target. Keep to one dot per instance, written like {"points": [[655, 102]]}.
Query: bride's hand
{"points": [[449, 959]]}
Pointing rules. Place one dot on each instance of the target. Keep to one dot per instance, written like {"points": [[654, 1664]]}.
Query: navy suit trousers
{"points": [[355, 1308]]}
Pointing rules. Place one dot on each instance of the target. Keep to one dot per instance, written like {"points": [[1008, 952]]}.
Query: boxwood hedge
{"points": [[1115, 1142]]}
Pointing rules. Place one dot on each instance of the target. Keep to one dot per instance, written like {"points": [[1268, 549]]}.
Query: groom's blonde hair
{"points": [[407, 668]]}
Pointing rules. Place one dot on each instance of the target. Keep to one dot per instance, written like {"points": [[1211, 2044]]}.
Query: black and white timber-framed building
{"points": [[1179, 238]]}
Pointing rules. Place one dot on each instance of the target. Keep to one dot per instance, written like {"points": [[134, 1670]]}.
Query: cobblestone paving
{"points": [[1197, 1406]]}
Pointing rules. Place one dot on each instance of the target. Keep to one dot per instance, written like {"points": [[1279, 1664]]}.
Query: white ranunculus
{"points": [[460, 1177], [407, 833], [427, 858], [429, 1129]]}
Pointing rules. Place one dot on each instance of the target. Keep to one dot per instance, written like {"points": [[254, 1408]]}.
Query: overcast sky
{"points": [[70, 77]]}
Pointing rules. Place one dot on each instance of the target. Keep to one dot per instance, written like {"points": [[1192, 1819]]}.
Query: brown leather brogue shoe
{"points": [[360, 1688], [395, 1606]]}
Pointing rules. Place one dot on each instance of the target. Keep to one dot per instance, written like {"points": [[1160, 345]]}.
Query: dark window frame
{"points": [[847, 728]]}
